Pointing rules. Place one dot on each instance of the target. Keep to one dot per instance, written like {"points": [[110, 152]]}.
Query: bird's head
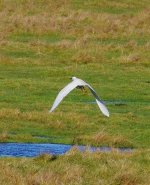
{"points": [[73, 78]]}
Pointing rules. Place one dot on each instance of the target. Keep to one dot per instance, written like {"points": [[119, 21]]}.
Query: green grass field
{"points": [[104, 42]]}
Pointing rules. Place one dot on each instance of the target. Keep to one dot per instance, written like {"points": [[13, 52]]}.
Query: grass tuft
{"points": [[103, 139]]}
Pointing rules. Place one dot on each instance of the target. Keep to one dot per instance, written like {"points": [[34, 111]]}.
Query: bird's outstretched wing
{"points": [[101, 105], [66, 90]]}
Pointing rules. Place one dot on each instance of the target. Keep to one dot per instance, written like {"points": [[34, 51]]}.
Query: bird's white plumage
{"points": [[78, 82], [66, 90], [103, 108]]}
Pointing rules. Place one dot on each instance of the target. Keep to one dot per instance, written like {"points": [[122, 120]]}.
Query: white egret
{"points": [[78, 83]]}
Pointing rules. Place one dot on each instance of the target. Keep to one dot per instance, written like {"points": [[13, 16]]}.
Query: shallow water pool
{"points": [[35, 149]]}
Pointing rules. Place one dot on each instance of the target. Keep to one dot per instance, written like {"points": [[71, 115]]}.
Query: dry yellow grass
{"points": [[68, 21], [104, 139], [4, 136], [43, 117], [76, 168]]}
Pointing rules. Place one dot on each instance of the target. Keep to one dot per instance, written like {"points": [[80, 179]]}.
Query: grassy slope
{"points": [[106, 43]]}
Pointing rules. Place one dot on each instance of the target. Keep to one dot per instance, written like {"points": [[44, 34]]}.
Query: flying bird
{"points": [[78, 83]]}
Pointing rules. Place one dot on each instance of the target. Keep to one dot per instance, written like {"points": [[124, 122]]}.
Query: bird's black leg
{"points": [[82, 88]]}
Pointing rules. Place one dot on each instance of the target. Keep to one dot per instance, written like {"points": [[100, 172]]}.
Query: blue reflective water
{"points": [[35, 149]]}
